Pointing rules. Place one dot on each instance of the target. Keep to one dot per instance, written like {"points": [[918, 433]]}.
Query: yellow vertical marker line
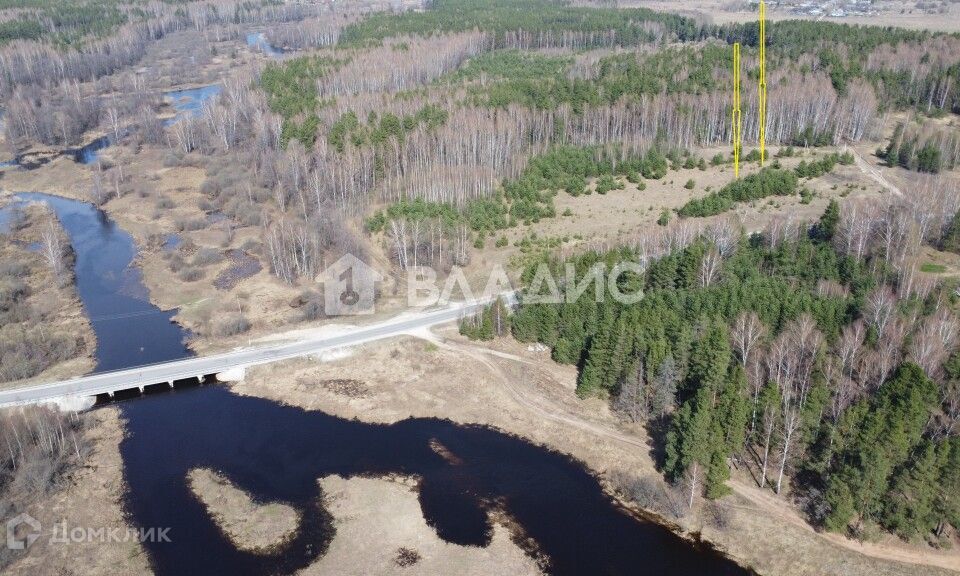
{"points": [[763, 81], [735, 120]]}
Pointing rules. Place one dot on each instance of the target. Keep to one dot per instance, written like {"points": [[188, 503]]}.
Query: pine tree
{"points": [[719, 473], [888, 429], [689, 446], [948, 487], [709, 359], [827, 226], [910, 504], [594, 371]]}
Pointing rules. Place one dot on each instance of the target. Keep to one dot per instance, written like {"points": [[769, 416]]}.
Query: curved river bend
{"points": [[277, 453]]}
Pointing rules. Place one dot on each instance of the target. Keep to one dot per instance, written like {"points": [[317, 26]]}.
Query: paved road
{"points": [[204, 365]]}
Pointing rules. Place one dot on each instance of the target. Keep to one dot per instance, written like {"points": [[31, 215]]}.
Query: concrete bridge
{"points": [[202, 367]]}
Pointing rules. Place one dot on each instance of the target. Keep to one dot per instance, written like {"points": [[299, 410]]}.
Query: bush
{"points": [[176, 263], [190, 224], [190, 274], [231, 325], [502, 241], [607, 183], [664, 218], [14, 270], [650, 493], [717, 515], [12, 291], [174, 159], [312, 310], [206, 257], [787, 152], [691, 184], [24, 353], [820, 167]]}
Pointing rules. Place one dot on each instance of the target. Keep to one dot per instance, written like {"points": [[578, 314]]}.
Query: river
{"points": [[186, 103], [258, 41], [277, 453]]}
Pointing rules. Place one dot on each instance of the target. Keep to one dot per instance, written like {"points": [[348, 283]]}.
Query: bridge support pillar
{"points": [[110, 394], [141, 389], [170, 383], [200, 378]]}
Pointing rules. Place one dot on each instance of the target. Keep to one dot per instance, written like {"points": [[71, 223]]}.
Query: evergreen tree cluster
{"points": [[825, 165], [768, 182], [540, 18], [529, 197], [886, 469], [381, 128], [291, 90], [881, 462], [922, 150]]}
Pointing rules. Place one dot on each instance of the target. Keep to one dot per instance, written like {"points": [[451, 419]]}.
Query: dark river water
{"points": [[277, 453], [130, 330]]}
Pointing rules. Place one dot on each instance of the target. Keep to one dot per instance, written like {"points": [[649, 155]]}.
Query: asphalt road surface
{"points": [[193, 367]]}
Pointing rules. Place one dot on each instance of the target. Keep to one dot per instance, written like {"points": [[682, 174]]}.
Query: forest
{"points": [[808, 355], [818, 358], [485, 108]]}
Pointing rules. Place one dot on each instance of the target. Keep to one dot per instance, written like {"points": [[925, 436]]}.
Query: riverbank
{"points": [[90, 499], [522, 392], [44, 332]]}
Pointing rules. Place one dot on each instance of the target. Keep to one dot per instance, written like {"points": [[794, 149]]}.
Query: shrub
{"points": [[190, 274], [231, 325], [690, 185], [12, 291], [312, 310], [206, 257], [14, 270], [650, 493], [175, 262], [190, 224], [664, 218], [607, 183]]}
